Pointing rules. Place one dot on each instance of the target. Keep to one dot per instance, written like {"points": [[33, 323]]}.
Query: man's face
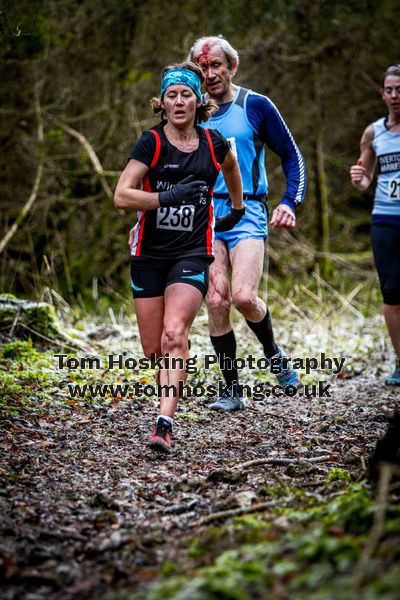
{"points": [[218, 75]]}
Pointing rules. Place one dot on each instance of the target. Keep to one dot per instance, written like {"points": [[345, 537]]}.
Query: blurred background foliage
{"points": [[76, 78]]}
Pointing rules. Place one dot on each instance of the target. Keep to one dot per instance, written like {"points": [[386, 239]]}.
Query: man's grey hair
{"points": [[219, 41]]}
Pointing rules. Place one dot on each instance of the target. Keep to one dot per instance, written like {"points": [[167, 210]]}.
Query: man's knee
{"points": [[245, 299], [217, 302]]}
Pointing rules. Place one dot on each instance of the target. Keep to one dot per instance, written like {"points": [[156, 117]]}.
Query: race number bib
{"points": [[176, 218], [394, 189]]}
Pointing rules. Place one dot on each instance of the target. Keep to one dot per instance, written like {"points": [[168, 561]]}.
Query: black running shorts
{"points": [[386, 248], [150, 276]]}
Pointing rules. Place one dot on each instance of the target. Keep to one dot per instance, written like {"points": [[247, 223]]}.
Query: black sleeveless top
{"points": [[182, 231]]}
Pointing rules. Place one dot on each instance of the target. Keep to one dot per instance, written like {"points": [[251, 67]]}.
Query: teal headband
{"points": [[181, 77]]}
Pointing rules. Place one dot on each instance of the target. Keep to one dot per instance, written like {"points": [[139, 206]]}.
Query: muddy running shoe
{"points": [[228, 403], [160, 438], [287, 376], [394, 379]]}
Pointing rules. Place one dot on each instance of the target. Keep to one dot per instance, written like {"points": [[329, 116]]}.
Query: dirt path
{"points": [[88, 511]]}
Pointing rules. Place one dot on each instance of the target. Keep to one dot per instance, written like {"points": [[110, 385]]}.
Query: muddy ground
{"points": [[88, 511]]}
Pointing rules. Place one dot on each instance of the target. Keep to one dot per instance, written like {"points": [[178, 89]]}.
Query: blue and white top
{"points": [[248, 122], [386, 145]]}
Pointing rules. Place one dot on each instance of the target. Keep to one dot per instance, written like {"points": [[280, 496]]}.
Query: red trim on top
{"points": [[147, 188], [216, 164], [158, 149], [141, 230], [146, 184], [209, 232]]}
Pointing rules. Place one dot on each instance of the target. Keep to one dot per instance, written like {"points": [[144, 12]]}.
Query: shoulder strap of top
{"points": [[211, 145], [157, 150], [241, 97]]}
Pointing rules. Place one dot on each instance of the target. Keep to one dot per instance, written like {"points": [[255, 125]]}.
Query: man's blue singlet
{"points": [[249, 122]]}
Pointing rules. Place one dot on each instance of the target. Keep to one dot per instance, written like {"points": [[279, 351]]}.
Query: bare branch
{"points": [[360, 572], [39, 172], [90, 152], [282, 461]]}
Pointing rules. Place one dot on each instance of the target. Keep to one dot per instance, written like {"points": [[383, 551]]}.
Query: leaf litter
{"points": [[88, 511]]}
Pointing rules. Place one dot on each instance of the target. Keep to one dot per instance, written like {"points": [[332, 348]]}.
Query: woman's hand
{"points": [[362, 173], [360, 177], [186, 191]]}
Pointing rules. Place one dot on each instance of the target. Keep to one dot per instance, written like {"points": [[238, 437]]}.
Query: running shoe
{"points": [[394, 379], [287, 376], [160, 438], [228, 402]]}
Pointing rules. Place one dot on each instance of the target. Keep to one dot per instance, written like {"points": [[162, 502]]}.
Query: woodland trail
{"points": [[88, 511]]}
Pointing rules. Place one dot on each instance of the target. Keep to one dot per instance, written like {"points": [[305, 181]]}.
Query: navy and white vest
{"points": [[386, 146]]}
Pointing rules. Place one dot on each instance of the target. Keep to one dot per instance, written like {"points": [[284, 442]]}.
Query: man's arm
{"points": [[273, 131]]}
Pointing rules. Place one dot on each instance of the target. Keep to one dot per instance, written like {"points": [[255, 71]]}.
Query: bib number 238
{"points": [[176, 218]]}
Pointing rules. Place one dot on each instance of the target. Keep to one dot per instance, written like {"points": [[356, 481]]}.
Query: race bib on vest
{"points": [[394, 189], [176, 218]]}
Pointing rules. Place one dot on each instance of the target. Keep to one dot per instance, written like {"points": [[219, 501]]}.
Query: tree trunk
{"points": [[320, 183]]}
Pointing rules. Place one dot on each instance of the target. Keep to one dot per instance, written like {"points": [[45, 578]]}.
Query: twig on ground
{"points": [[360, 571], [234, 512], [285, 417], [363, 464], [343, 300], [53, 342], [363, 469], [311, 484], [15, 321], [281, 482], [282, 461]]}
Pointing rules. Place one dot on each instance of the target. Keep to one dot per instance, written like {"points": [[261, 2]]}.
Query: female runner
{"points": [[169, 180], [380, 144]]}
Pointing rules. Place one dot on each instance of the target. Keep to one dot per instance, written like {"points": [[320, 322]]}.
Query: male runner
{"points": [[249, 121]]}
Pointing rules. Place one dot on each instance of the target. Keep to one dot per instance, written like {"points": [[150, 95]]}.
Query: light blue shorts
{"points": [[254, 224]]}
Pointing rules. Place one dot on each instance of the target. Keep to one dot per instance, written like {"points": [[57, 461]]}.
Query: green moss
{"points": [[314, 557], [168, 568], [190, 416], [20, 351], [7, 297], [27, 319], [338, 474]]}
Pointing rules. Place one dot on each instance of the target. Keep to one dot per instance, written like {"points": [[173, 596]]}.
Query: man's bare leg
{"points": [[221, 332]]}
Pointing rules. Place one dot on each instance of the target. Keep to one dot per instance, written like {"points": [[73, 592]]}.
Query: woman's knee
{"points": [[174, 337], [391, 293], [393, 309]]}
